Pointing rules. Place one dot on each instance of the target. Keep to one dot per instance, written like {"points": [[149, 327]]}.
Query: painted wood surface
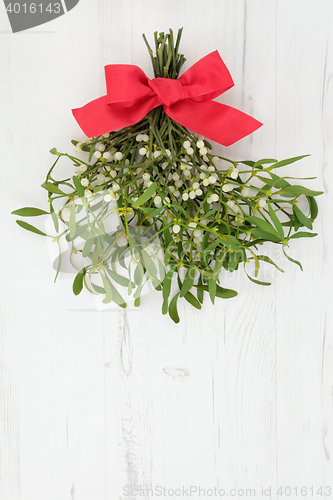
{"points": [[238, 396]]}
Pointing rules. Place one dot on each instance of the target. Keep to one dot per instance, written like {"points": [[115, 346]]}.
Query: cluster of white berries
{"points": [[181, 181], [111, 154], [208, 176], [198, 234], [77, 148], [234, 208], [193, 228], [80, 169], [176, 178], [100, 153], [199, 144], [106, 171], [144, 151], [142, 138]]}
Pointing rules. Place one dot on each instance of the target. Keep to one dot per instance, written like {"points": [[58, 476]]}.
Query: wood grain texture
{"points": [[236, 396]]}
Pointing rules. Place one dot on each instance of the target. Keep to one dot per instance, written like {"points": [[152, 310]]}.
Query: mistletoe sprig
{"points": [[183, 215]]}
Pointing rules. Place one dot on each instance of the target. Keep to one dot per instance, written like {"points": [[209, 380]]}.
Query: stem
{"points": [[167, 62]]}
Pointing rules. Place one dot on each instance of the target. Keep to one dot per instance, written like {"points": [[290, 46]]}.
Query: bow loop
{"points": [[206, 79], [126, 84]]}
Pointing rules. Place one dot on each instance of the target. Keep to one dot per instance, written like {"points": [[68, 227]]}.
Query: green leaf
{"points": [[222, 293], [166, 233], [54, 217], [269, 183], [249, 163], [292, 260], [263, 162], [121, 280], [151, 211], [108, 290], [204, 245], [279, 182], [290, 223], [256, 262], [225, 293], [91, 151], [96, 253], [145, 196], [130, 282], [161, 269], [297, 190], [116, 297], [78, 186], [303, 234], [282, 163], [276, 182], [188, 281], [275, 221], [220, 259], [165, 306], [301, 217], [72, 222], [192, 300], [167, 283], [270, 261], [29, 212], [229, 242], [208, 214], [54, 151], [149, 265], [173, 312], [52, 188], [200, 293], [137, 293], [98, 289], [235, 258], [206, 273], [313, 207], [79, 231], [168, 253], [88, 244], [296, 223], [96, 207], [78, 282], [260, 233], [212, 289], [29, 227], [138, 274], [263, 225], [257, 282]]}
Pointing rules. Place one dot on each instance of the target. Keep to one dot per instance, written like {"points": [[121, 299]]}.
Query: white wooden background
{"points": [[236, 396]]}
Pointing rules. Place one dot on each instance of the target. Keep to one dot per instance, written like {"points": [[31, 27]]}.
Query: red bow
{"points": [[188, 101]]}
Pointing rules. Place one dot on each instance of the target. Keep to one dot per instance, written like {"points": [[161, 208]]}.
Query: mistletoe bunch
{"points": [[152, 203]]}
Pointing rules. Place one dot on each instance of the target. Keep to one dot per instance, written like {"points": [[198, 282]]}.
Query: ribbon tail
{"points": [[216, 121], [98, 117]]}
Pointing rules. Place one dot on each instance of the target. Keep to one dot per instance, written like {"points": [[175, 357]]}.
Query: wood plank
{"points": [[304, 341]]}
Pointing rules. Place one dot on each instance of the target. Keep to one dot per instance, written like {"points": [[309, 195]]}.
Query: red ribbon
{"points": [[188, 101]]}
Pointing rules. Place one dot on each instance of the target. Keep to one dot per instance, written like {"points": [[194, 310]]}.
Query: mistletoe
{"points": [[148, 200]]}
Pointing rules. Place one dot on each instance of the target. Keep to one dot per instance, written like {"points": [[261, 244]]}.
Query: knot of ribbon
{"points": [[188, 101]]}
